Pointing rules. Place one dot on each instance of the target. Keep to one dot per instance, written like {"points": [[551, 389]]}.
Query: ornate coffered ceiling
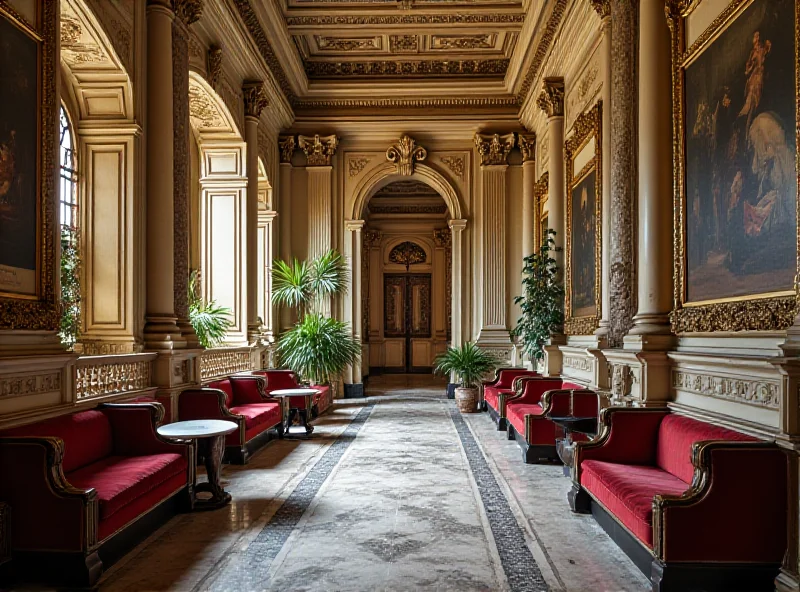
{"points": [[406, 198]]}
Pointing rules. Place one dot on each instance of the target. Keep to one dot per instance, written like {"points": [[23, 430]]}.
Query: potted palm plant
{"points": [[209, 320], [317, 348], [469, 363]]}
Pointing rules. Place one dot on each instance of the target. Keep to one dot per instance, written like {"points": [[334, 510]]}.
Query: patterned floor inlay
{"points": [[519, 565]]}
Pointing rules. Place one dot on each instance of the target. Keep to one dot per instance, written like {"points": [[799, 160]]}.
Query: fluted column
{"points": [[356, 289], [655, 175], [457, 228], [622, 255], [527, 144], [551, 101], [161, 330], [493, 151], [287, 146], [352, 301], [255, 101]]}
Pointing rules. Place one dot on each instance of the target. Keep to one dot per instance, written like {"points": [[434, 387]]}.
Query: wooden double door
{"points": [[407, 321]]}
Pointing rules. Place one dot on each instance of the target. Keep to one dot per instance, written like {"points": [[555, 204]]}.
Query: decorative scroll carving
{"points": [[527, 145], [189, 11], [404, 154], [455, 164], [202, 110], [403, 43], [460, 42], [401, 69], [356, 165], [578, 363], [409, 209], [214, 65], [18, 386], [319, 149], [255, 98], [223, 362], [760, 393], [494, 149], [551, 99], [287, 146], [407, 253], [348, 43], [100, 377]]}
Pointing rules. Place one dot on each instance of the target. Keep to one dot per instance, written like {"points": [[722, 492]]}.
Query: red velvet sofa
{"points": [[243, 400], [86, 487], [695, 506], [540, 399], [497, 391], [287, 379]]}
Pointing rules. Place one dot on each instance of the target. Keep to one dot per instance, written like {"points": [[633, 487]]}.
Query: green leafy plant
{"points": [[468, 362], [304, 285], [318, 348], [542, 301], [209, 320], [70, 288]]}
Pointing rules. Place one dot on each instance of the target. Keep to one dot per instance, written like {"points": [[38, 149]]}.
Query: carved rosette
{"points": [[404, 154], [551, 99], [214, 66], [188, 11], [287, 146], [319, 150], [255, 98], [494, 148], [527, 145]]}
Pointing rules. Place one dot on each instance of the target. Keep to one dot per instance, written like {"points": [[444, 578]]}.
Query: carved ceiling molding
{"points": [[255, 98], [319, 150], [401, 103], [287, 146], [494, 148], [403, 69], [326, 42], [404, 154], [461, 42], [408, 209], [551, 99], [404, 19], [545, 42], [403, 43], [407, 188], [527, 145]]}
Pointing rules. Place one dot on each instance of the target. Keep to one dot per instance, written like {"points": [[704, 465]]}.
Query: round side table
{"points": [[210, 435], [286, 394]]}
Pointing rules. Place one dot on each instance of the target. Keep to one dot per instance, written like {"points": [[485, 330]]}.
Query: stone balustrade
{"points": [[224, 361], [102, 376]]}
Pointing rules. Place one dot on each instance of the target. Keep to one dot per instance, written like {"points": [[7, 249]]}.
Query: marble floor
{"points": [[396, 491]]}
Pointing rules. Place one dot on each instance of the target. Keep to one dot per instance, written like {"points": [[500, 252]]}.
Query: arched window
{"points": [[68, 186]]}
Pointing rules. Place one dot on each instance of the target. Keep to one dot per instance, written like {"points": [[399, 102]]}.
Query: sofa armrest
{"points": [[628, 435], [736, 509], [496, 378], [249, 388], [556, 403], [133, 427], [531, 388], [49, 513]]}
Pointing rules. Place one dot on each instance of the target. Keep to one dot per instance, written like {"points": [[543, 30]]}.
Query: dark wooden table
{"points": [[572, 425]]}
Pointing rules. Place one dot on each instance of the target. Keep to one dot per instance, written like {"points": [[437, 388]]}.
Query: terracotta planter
{"points": [[467, 399]]}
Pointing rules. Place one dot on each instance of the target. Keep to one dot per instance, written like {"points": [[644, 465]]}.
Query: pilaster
{"points": [[286, 144], [352, 300], [319, 152], [527, 145]]}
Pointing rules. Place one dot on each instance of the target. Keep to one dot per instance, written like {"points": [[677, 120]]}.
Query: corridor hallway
{"points": [[397, 491]]}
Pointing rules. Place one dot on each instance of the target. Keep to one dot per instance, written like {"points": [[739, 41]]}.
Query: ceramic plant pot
{"points": [[467, 399]]}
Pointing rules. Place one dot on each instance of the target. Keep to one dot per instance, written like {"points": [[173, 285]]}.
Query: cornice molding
{"points": [[545, 43], [406, 69], [287, 146], [404, 153], [527, 145], [551, 99], [319, 150], [404, 19], [494, 148], [402, 103], [255, 98]]}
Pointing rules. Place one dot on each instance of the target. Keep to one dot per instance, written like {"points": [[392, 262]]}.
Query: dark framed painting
{"points": [[28, 167], [540, 192], [584, 224], [736, 167]]}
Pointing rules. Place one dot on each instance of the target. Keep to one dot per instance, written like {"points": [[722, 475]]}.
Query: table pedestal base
{"points": [[303, 414], [212, 449]]}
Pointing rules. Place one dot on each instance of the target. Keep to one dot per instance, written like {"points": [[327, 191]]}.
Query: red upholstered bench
{"points": [[86, 487], [696, 506], [287, 379], [497, 391], [242, 400], [541, 398]]}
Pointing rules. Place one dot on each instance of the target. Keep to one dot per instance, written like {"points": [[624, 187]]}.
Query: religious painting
{"points": [[736, 253], [19, 157], [583, 217]]}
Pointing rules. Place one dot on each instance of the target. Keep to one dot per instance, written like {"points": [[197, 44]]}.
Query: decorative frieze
{"points": [[494, 148], [19, 386], [452, 18], [404, 154], [527, 145], [255, 98], [456, 164], [100, 377], [213, 66], [402, 68], [551, 98], [223, 362], [356, 164], [319, 150], [403, 43], [578, 363], [287, 146], [409, 209], [348, 43], [761, 393], [461, 42]]}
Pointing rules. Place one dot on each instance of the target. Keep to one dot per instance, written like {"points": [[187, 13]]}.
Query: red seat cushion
{"points": [[627, 492], [516, 414], [491, 396], [119, 480], [258, 413]]}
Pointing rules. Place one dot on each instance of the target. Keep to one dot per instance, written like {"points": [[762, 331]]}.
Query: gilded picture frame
{"points": [[583, 257], [751, 303], [540, 193], [38, 309]]}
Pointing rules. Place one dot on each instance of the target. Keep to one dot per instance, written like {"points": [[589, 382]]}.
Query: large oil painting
{"points": [[583, 246], [740, 142], [19, 158]]}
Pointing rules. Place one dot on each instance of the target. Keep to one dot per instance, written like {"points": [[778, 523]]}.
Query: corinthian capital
{"points": [[255, 98], [551, 99], [189, 11], [602, 7], [527, 144], [405, 153], [494, 148], [319, 149], [287, 146]]}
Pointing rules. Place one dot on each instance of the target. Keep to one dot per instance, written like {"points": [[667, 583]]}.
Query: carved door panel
{"points": [[407, 310]]}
